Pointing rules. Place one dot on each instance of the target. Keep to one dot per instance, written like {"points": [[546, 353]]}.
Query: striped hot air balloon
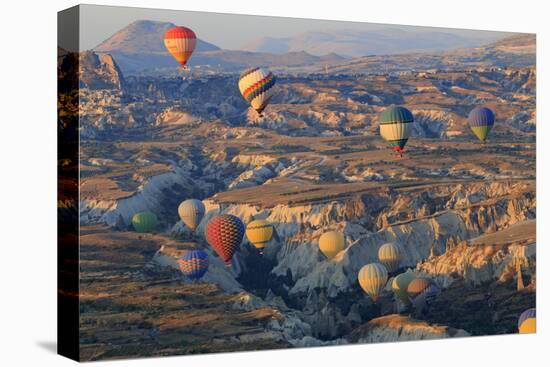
{"points": [[373, 278], [331, 243], [194, 264], [422, 287], [400, 285], [144, 221], [481, 120], [259, 232], [389, 255], [191, 212], [180, 42], [256, 86], [527, 322], [396, 127], [225, 233]]}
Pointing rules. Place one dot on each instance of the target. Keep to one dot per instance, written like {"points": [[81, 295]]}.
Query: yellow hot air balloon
{"points": [[389, 255], [373, 278], [527, 323], [331, 243], [259, 232], [191, 212], [400, 284], [529, 326]]}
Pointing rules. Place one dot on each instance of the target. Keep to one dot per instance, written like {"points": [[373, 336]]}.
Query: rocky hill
{"points": [[393, 328], [99, 71], [144, 37]]}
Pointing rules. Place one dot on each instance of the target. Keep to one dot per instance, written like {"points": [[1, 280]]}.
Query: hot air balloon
{"points": [[389, 255], [422, 287], [400, 284], [527, 323], [191, 212], [144, 221], [194, 264], [396, 127], [225, 233], [180, 42], [331, 243], [259, 232], [256, 86], [481, 120], [373, 278]]}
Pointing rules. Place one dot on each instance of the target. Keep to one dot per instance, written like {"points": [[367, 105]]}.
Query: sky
{"points": [[231, 31]]}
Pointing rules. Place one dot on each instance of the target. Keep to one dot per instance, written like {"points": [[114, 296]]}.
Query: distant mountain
{"points": [[520, 43], [227, 60], [516, 51], [143, 36], [240, 59], [354, 43]]}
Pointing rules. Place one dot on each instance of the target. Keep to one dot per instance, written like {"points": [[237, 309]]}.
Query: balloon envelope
{"points": [[529, 326], [259, 232], [373, 278], [225, 233], [400, 284], [194, 264], [191, 212], [144, 221], [180, 42], [396, 126], [331, 243], [256, 86], [389, 255], [526, 326], [422, 286], [481, 120]]}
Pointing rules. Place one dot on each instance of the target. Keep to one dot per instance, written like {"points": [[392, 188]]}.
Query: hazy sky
{"points": [[231, 31]]}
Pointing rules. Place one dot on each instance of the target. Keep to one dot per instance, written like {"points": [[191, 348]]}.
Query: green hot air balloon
{"points": [[396, 127], [400, 285], [144, 222]]}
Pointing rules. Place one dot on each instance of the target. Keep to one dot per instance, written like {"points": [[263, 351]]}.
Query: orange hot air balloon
{"points": [[180, 42]]}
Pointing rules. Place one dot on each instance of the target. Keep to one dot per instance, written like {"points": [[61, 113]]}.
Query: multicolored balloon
{"points": [[225, 233], [144, 222], [194, 264], [259, 232], [180, 42], [256, 86], [481, 120], [331, 243], [191, 212], [396, 127], [422, 287], [373, 278], [527, 322], [400, 284], [389, 255]]}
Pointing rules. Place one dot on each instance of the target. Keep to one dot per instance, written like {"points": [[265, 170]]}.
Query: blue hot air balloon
{"points": [[194, 264], [481, 120]]}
